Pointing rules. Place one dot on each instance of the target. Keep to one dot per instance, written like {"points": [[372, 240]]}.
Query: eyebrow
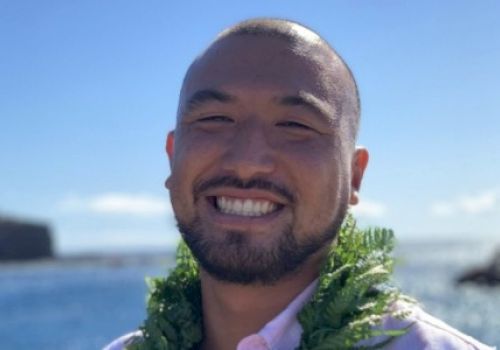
{"points": [[311, 103], [302, 99], [201, 97]]}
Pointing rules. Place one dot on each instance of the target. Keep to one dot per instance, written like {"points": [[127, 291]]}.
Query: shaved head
{"points": [[304, 41], [264, 163]]}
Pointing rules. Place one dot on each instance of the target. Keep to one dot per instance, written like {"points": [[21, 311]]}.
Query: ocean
{"points": [[84, 303]]}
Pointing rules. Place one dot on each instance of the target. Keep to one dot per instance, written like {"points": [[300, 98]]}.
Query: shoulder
{"points": [[428, 333], [123, 341]]}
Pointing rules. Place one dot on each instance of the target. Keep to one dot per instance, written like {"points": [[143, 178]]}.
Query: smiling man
{"points": [[263, 159], [264, 166]]}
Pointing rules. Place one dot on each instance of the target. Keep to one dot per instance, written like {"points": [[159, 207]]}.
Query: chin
{"points": [[237, 257]]}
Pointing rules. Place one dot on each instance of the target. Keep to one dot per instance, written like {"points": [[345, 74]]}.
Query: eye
{"points": [[294, 124], [215, 118]]}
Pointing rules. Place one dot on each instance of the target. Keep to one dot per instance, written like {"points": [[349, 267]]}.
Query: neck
{"points": [[233, 311]]}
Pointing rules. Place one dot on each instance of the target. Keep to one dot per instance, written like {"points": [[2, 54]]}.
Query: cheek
{"points": [[313, 163], [197, 146], [320, 180], [193, 160], [194, 152]]}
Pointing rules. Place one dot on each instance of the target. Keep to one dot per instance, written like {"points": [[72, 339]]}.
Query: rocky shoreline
{"points": [[22, 240], [486, 275]]}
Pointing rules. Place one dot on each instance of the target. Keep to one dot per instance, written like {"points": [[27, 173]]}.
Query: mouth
{"points": [[248, 207], [245, 210]]}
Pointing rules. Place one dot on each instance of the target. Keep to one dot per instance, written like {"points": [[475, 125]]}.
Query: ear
{"points": [[169, 147], [358, 166]]}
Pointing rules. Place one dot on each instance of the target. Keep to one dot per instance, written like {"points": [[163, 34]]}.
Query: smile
{"points": [[245, 207]]}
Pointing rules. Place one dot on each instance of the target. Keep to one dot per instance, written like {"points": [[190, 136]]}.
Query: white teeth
{"points": [[264, 206], [238, 206], [247, 207]]}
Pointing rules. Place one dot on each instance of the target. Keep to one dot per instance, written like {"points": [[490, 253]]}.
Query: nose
{"points": [[249, 153]]}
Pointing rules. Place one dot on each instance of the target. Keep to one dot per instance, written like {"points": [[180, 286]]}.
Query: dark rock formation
{"points": [[485, 275], [24, 241]]}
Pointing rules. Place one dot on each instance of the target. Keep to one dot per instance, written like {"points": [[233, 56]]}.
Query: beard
{"points": [[233, 257], [236, 257]]}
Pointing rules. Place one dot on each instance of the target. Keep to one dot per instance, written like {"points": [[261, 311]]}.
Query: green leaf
{"points": [[352, 297]]}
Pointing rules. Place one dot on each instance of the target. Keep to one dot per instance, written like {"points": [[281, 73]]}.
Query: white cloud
{"points": [[478, 204], [443, 209], [369, 208], [118, 204], [467, 204]]}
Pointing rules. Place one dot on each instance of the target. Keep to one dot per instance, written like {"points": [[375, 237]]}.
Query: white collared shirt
{"points": [[284, 331]]}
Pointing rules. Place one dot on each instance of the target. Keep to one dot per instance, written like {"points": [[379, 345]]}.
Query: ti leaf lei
{"points": [[351, 299]]}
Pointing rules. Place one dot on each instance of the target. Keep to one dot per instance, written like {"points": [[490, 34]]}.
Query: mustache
{"points": [[255, 183]]}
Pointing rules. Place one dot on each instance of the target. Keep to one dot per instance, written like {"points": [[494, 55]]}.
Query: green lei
{"points": [[351, 298]]}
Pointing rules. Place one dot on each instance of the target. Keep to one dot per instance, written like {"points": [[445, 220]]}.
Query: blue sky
{"points": [[88, 91]]}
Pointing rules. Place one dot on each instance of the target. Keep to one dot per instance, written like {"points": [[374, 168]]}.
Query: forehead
{"points": [[263, 63]]}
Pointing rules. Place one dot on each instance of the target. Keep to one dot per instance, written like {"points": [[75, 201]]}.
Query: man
{"points": [[264, 166]]}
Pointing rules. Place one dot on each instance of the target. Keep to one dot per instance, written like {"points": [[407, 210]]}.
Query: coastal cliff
{"points": [[488, 274], [20, 240]]}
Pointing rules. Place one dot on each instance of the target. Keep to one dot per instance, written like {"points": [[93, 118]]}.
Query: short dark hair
{"points": [[268, 27], [283, 29]]}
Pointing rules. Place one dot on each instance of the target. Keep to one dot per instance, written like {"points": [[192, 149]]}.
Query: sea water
{"points": [[86, 304]]}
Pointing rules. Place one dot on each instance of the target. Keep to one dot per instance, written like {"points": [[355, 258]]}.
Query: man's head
{"points": [[263, 158]]}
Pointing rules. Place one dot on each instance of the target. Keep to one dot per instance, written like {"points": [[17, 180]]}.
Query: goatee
{"points": [[235, 256], [236, 259]]}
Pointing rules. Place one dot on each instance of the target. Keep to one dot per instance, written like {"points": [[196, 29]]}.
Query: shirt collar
{"points": [[284, 331]]}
